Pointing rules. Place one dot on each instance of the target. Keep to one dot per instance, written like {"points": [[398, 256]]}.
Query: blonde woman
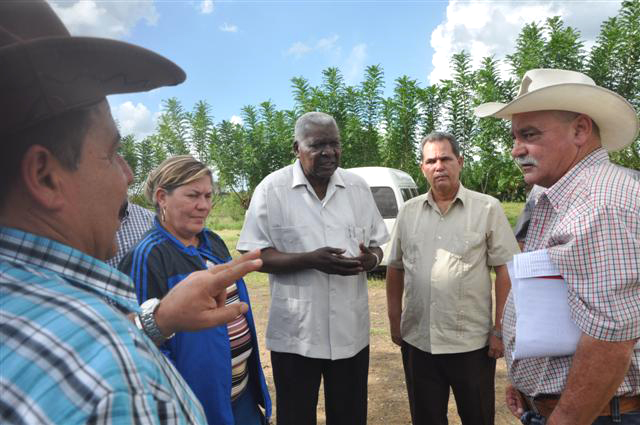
{"points": [[221, 365]]}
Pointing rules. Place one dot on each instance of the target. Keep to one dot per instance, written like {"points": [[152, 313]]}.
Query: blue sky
{"points": [[237, 53]]}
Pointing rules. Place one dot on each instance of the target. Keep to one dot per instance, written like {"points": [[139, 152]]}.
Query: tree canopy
{"points": [[386, 131]]}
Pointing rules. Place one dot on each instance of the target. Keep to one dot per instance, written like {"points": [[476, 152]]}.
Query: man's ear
{"points": [[296, 149], [43, 177], [582, 129]]}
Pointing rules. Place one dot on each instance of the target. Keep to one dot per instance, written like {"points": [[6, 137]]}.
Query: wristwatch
{"points": [[146, 321]]}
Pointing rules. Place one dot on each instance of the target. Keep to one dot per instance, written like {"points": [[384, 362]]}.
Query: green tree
{"points": [[401, 119], [564, 49], [200, 124], [530, 50], [172, 128]]}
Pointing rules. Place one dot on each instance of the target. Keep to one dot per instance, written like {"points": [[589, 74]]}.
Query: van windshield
{"points": [[386, 201]]}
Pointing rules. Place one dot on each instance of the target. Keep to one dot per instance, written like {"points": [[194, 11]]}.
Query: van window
{"points": [[407, 193], [386, 201]]}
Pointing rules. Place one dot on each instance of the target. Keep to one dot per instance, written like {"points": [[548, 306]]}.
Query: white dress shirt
{"points": [[314, 314]]}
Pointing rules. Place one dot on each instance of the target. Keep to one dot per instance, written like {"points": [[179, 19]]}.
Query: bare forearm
{"points": [[274, 261], [597, 370], [503, 286], [395, 288]]}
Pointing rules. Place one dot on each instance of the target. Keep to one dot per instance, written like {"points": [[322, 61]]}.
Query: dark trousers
{"points": [[297, 381], [429, 376]]}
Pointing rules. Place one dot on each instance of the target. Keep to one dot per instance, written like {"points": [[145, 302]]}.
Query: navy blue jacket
{"points": [[157, 263]]}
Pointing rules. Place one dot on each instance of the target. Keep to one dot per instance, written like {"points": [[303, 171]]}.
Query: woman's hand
{"points": [[198, 301]]}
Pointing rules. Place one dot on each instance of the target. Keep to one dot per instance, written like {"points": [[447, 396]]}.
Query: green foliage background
{"points": [[386, 131]]}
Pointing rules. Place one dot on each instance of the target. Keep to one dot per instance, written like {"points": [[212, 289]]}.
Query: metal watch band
{"points": [[148, 321]]}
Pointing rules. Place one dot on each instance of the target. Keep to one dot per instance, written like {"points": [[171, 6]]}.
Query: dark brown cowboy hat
{"points": [[45, 72]]}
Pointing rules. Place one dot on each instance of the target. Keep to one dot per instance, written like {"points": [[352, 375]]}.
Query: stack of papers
{"points": [[544, 327]]}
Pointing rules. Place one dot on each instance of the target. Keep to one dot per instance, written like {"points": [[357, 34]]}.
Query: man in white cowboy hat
{"points": [[73, 348], [588, 218]]}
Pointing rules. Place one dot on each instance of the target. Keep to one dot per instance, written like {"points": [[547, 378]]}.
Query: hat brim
{"points": [[44, 77], [614, 116]]}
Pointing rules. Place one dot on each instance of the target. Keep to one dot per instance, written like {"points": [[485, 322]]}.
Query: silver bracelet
{"points": [[377, 261]]}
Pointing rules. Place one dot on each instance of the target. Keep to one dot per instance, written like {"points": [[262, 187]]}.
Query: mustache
{"points": [[526, 160]]}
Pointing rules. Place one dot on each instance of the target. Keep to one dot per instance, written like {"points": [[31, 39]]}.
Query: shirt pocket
{"points": [[291, 238], [467, 247], [291, 318], [355, 235]]}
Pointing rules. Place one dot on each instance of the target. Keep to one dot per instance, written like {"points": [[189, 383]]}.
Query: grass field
{"points": [[388, 403]]}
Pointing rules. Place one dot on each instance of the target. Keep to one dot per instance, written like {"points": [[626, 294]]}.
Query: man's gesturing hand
{"points": [[198, 301], [330, 260]]}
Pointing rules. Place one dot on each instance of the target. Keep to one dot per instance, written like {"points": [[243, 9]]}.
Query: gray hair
{"points": [[567, 116], [312, 119], [436, 136]]}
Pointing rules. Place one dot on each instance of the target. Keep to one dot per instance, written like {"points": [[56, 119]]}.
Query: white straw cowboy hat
{"points": [[557, 89]]}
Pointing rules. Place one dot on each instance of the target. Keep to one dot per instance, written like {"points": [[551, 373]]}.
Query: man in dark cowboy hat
{"points": [[69, 349], [588, 220]]}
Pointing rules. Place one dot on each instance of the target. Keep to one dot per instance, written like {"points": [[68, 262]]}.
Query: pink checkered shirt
{"points": [[590, 222]]}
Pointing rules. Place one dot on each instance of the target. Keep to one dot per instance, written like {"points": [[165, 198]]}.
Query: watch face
{"points": [[150, 304]]}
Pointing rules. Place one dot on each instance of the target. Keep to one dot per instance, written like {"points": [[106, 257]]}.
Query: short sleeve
{"points": [[501, 242], [395, 244], [255, 230], [378, 230]]}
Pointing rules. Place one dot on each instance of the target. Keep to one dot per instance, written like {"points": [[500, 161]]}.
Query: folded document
{"points": [[544, 327]]}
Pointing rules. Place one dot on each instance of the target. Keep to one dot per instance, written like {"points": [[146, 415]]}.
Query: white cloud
{"points": [[104, 19], [298, 49], [485, 28], [327, 44], [206, 7], [235, 119], [228, 28], [354, 64], [135, 119]]}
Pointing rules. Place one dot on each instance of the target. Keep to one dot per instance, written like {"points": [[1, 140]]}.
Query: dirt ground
{"points": [[388, 403]]}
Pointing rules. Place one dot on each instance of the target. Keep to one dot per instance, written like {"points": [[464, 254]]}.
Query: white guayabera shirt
{"points": [[314, 314]]}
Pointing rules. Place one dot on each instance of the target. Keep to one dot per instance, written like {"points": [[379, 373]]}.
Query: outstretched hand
{"points": [[198, 301]]}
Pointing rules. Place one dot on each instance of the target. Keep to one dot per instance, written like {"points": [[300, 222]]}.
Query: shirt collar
{"points": [[299, 179], [190, 250], [461, 196], [74, 266], [559, 191]]}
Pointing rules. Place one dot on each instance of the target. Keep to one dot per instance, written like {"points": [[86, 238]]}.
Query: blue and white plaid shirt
{"points": [[135, 223], [68, 353]]}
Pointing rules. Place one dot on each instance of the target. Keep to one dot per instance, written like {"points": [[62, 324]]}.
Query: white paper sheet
{"points": [[544, 327], [534, 264]]}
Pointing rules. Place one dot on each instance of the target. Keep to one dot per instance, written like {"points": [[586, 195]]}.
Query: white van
{"points": [[390, 188]]}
